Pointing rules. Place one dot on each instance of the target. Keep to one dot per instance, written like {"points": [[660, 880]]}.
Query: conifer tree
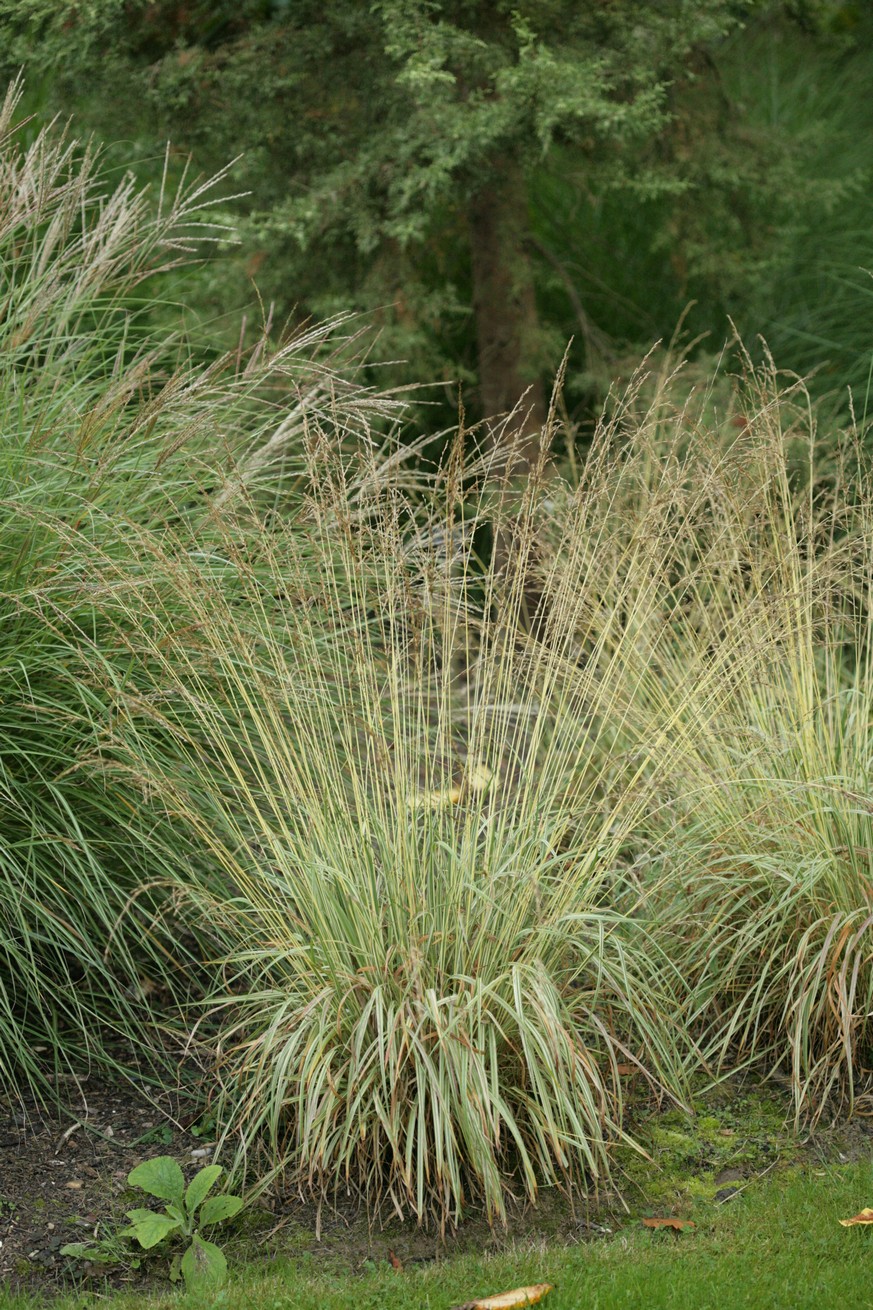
{"points": [[380, 136]]}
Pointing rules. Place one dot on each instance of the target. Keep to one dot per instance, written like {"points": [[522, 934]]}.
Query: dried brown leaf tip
{"points": [[863, 1217], [514, 1300], [678, 1225]]}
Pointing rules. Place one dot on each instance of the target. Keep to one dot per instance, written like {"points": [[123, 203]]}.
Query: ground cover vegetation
{"points": [[779, 1243], [416, 807]]}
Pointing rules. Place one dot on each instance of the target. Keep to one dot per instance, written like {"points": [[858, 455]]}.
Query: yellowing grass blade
{"points": [[519, 1297]]}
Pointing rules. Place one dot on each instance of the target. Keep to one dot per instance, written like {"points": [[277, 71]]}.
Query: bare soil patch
{"points": [[63, 1178], [63, 1173]]}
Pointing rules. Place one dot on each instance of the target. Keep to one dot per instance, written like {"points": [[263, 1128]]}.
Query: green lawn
{"points": [[778, 1245]]}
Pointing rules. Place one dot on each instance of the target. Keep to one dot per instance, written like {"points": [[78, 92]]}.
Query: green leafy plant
{"points": [[205, 1127], [187, 1211], [158, 1135]]}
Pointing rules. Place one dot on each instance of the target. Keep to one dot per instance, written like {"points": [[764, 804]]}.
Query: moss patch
{"points": [[733, 1134]]}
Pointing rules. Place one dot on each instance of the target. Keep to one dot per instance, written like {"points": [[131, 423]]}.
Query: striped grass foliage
{"points": [[744, 624], [115, 449], [458, 796], [75, 453], [778, 880], [394, 761]]}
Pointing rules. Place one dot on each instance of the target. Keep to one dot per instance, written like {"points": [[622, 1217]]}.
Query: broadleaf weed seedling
{"points": [[187, 1211]]}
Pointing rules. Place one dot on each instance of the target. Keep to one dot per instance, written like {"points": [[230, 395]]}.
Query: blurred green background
{"points": [[709, 165]]}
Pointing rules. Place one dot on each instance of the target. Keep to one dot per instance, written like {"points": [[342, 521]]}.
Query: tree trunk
{"points": [[505, 308], [506, 330]]}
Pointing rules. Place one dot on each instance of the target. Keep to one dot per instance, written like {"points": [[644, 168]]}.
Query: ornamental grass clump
{"points": [[742, 609], [85, 428], [428, 995], [771, 851], [115, 448]]}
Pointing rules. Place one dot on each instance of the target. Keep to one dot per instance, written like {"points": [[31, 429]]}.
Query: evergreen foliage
{"points": [[404, 158]]}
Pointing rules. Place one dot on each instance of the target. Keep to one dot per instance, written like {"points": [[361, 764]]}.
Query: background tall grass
{"points": [[114, 441], [80, 402]]}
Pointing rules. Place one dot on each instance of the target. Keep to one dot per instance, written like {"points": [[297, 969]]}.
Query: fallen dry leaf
{"points": [[864, 1217], [395, 1263], [514, 1300], [677, 1224]]}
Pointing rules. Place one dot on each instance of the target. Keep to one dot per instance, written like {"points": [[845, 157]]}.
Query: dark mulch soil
{"points": [[63, 1174]]}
